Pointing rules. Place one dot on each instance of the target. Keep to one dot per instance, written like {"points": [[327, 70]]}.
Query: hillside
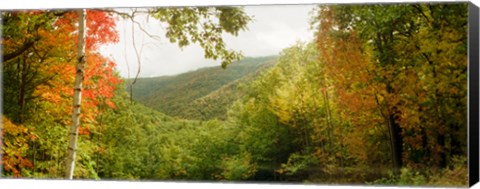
{"points": [[202, 94]]}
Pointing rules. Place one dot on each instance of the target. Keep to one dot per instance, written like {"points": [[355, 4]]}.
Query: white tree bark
{"points": [[77, 96]]}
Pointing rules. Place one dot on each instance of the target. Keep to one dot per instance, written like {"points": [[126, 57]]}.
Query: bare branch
{"points": [[121, 14], [138, 62], [155, 37], [125, 53], [132, 18], [137, 55]]}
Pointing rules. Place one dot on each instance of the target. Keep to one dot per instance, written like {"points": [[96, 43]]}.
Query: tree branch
{"points": [[19, 51], [132, 18]]}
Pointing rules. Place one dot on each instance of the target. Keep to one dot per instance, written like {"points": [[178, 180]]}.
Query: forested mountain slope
{"points": [[202, 94]]}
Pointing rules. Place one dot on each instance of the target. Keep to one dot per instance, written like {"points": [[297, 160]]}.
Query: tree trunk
{"points": [[77, 96], [396, 143], [395, 137]]}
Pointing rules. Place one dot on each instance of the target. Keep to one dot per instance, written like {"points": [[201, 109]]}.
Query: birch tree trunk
{"points": [[77, 96]]}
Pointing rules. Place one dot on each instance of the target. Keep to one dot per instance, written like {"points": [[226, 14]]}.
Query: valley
{"points": [[203, 94]]}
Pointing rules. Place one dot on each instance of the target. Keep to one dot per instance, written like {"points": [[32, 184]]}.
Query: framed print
{"points": [[301, 94]]}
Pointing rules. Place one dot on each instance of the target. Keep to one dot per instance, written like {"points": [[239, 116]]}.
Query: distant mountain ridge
{"points": [[202, 94]]}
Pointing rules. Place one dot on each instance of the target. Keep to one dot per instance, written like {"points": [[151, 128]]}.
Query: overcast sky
{"points": [[273, 29]]}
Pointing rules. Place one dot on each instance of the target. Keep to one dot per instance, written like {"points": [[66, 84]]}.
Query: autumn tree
{"points": [[43, 72], [206, 26], [230, 20], [387, 51]]}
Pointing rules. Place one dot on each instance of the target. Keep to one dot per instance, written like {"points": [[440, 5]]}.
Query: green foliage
{"points": [[205, 26], [409, 177], [279, 114], [141, 143], [298, 163], [237, 168], [202, 94], [456, 176]]}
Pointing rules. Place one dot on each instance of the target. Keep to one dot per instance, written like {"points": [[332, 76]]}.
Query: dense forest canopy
{"points": [[379, 97]]}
